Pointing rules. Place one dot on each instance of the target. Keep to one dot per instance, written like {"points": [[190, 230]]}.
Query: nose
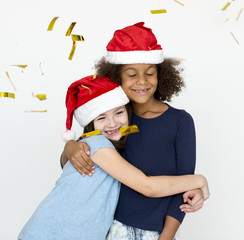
{"points": [[141, 79], [111, 122]]}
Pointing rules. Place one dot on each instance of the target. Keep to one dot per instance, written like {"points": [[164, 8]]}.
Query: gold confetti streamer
{"points": [[77, 37], [179, 3], [35, 111], [226, 5], [21, 66], [11, 81], [33, 95], [158, 11], [234, 37], [7, 94], [72, 51], [87, 88], [92, 133], [40, 66], [70, 29], [51, 25], [239, 14], [128, 130], [41, 97], [94, 75]]}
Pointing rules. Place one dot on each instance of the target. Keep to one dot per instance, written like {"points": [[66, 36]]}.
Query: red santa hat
{"points": [[134, 44], [89, 97]]}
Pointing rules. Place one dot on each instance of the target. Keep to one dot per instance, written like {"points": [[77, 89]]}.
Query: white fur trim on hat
{"points": [[105, 102], [134, 57]]}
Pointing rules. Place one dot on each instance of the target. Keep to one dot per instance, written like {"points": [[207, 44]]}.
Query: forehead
{"points": [[138, 67]]}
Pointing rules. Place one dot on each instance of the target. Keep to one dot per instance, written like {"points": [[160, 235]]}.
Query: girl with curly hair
{"points": [[165, 144]]}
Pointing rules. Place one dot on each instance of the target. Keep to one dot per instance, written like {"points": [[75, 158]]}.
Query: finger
{"points": [[81, 159], [81, 168], [187, 195], [86, 149], [85, 168], [195, 201], [89, 171], [187, 208], [190, 210], [87, 162]]}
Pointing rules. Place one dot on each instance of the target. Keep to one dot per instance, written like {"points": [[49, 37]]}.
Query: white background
{"points": [[30, 143]]}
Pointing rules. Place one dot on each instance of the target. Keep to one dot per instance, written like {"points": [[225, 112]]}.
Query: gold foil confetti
{"points": [[94, 75], [41, 97], [128, 130], [21, 66], [33, 95], [227, 20], [35, 111], [234, 37], [72, 51], [70, 29], [11, 81], [179, 3], [87, 88], [77, 37], [226, 5], [40, 66], [51, 25], [239, 14], [158, 11], [7, 94], [89, 134]]}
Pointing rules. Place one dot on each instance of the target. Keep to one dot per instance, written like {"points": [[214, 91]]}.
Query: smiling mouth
{"points": [[112, 132], [141, 92]]}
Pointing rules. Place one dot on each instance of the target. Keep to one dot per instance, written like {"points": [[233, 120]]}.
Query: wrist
{"points": [[68, 145], [201, 180], [165, 237]]}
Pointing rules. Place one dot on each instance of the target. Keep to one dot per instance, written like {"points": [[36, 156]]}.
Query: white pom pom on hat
{"points": [[89, 97], [68, 135], [134, 44]]}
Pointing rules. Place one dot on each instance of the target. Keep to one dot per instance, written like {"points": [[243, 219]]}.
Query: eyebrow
{"points": [[115, 110], [131, 68]]}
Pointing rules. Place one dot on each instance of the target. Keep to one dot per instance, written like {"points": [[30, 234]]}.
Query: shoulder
{"points": [[97, 142], [181, 115]]}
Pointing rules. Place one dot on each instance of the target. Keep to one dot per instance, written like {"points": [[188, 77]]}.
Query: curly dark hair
{"points": [[170, 81]]}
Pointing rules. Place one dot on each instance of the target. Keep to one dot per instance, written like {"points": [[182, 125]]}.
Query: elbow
{"points": [[149, 189], [148, 192], [152, 193]]}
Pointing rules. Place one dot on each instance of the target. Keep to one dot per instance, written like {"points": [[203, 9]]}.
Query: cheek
{"points": [[98, 125], [95, 125], [125, 121], [125, 83], [155, 80]]}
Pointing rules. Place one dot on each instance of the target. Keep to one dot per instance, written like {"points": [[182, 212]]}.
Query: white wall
{"points": [[30, 143]]}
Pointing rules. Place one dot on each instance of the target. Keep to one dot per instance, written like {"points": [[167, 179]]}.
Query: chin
{"points": [[114, 138]]}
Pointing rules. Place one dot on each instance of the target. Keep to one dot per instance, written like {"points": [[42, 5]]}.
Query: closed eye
{"points": [[119, 112], [100, 118]]}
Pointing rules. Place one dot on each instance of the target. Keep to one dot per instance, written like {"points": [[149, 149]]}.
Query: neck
{"points": [[150, 109]]}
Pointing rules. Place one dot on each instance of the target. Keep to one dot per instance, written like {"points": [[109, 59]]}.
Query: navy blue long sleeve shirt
{"points": [[165, 145]]}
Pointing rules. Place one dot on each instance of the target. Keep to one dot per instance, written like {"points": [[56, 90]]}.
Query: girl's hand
{"points": [[78, 155], [193, 201]]}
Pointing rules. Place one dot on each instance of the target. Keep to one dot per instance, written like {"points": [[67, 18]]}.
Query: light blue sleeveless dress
{"points": [[78, 208]]}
